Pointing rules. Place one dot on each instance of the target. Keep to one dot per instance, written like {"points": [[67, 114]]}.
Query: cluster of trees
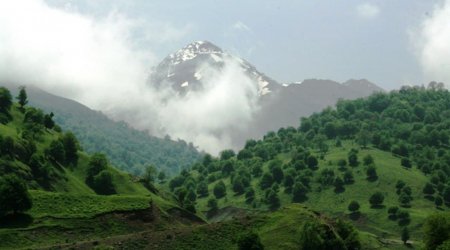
{"points": [[342, 235], [14, 196], [98, 176], [412, 123]]}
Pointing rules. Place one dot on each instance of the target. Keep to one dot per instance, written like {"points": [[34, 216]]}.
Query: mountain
{"points": [[184, 69], [279, 105], [128, 149]]}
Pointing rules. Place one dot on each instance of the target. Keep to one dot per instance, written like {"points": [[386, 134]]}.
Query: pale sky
{"points": [[288, 40]]}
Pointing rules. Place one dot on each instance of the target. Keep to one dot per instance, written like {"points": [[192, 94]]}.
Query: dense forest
{"points": [[382, 161]]}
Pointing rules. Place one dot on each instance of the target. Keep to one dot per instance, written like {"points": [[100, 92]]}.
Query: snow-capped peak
{"points": [[192, 50], [183, 70]]}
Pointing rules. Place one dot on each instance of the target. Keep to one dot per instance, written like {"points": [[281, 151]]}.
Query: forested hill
{"points": [[128, 149], [382, 162]]}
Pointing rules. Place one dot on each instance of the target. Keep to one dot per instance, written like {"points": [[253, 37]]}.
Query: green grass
{"points": [[372, 221], [61, 205]]}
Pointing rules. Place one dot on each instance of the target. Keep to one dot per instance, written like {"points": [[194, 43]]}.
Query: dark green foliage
{"points": [[392, 211], [371, 173], [353, 206], [403, 217], [150, 174], [249, 195], [406, 163], [299, 192], [272, 199], [238, 186], [368, 160], [347, 232], [48, 121], [219, 190], [326, 177], [103, 184], [348, 177], [7, 146], [5, 105], [227, 154], [353, 158], [342, 163], [98, 177], [436, 230], [428, 189], [212, 204], [244, 154], [266, 181], [438, 201], [202, 189], [319, 236], [228, 167], [70, 148], [446, 194], [376, 199], [338, 185], [162, 177], [250, 241], [277, 173], [22, 98], [312, 162], [56, 152], [14, 196], [405, 235]]}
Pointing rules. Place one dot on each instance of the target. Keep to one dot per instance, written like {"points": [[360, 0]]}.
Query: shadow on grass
{"points": [[16, 221], [355, 215], [372, 178], [404, 222], [377, 206]]}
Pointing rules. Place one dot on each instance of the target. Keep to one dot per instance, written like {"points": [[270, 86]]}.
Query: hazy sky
{"points": [[100, 53], [288, 40]]}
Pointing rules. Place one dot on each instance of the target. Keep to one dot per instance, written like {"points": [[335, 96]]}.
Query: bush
{"points": [[353, 206], [250, 241], [219, 190], [376, 199], [14, 196]]}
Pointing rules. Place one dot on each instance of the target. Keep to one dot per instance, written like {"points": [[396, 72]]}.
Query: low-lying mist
{"points": [[95, 61]]}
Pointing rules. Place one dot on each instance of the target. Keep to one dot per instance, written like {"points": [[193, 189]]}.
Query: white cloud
{"points": [[367, 10], [241, 26], [432, 41], [99, 61]]}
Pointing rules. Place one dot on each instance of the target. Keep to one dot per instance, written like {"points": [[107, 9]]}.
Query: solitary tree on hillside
{"points": [[70, 143], [5, 100], [22, 98], [376, 199], [371, 173], [353, 206], [14, 196], [220, 190], [405, 235]]}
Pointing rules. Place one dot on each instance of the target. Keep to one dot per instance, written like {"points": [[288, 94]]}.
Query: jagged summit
{"points": [[184, 69], [194, 49]]}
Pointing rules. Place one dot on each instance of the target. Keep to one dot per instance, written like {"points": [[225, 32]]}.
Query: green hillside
{"points": [[394, 147], [128, 149], [52, 193]]}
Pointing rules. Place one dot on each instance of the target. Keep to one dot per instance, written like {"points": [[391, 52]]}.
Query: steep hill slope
{"points": [[388, 153], [73, 196], [128, 149]]}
